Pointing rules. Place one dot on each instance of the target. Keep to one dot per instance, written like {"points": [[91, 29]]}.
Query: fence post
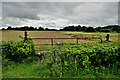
{"points": [[52, 41], [107, 37], [25, 35], [77, 40]]}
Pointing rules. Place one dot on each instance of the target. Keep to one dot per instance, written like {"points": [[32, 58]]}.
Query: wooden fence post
{"points": [[107, 37], [25, 35], [52, 41], [77, 40]]}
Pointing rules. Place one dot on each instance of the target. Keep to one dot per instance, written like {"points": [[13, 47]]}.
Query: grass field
{"points": [[8, 35], [11, 35]]}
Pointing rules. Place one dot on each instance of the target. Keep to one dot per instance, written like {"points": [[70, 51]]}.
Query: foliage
{"points": [[89, 29], [109, 28], [17, 51], [29, 28], [105, 30], [6, 61], [85, 58]]}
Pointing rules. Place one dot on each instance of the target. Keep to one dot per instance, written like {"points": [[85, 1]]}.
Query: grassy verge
{"points": [[38, 69], [85, 60], [26, 70]]}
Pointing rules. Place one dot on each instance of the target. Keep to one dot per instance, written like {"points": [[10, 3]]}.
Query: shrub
{"points": [[6, 62], [17, 51], [89, 29], [105, 30], [87, 57]]}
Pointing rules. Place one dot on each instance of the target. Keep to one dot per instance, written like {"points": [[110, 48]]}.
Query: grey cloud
{"points": [[19, 10], [0, 14], [62, 13], [12, 21], [60, 0], [96, 13]]}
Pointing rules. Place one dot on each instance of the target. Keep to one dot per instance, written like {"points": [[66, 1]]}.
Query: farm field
{"points": [[11, 35]]}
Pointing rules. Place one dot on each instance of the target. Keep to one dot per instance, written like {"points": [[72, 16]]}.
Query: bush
{"points": [[89, 29], [17, 51], [6, 62], [105, 30], [87, 57]]}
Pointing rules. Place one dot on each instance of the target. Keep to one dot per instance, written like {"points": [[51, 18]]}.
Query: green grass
{"points": [[42, 68], [36, 69], [39, 69]]}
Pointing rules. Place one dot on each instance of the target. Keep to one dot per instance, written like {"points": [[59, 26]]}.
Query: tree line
{"points": [[29, 28], [109, 28]]}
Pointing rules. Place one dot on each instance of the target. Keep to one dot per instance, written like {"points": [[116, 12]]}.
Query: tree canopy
{"points": [[109, 28]]}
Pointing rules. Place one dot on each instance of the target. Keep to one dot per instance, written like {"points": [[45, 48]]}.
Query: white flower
{"points": [[38, 53]]}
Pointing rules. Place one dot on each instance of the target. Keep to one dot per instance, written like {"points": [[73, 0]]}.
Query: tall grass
{"points": [[85, 60]]}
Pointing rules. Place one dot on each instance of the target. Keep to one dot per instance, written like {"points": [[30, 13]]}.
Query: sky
{"points": [[59, 14], [0, 14]]}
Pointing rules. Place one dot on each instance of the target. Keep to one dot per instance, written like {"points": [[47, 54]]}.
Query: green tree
{"points": [[89, 29]]}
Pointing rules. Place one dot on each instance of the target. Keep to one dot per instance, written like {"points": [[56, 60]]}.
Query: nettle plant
{"points": [[71, 59], [17, 50]]}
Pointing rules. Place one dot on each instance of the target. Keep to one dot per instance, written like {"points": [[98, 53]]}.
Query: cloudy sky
{"points": [[59, 14]]}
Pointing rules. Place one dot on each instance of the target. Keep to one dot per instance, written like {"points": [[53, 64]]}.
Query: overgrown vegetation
{"points": [[84, 60], [16, 51]]}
